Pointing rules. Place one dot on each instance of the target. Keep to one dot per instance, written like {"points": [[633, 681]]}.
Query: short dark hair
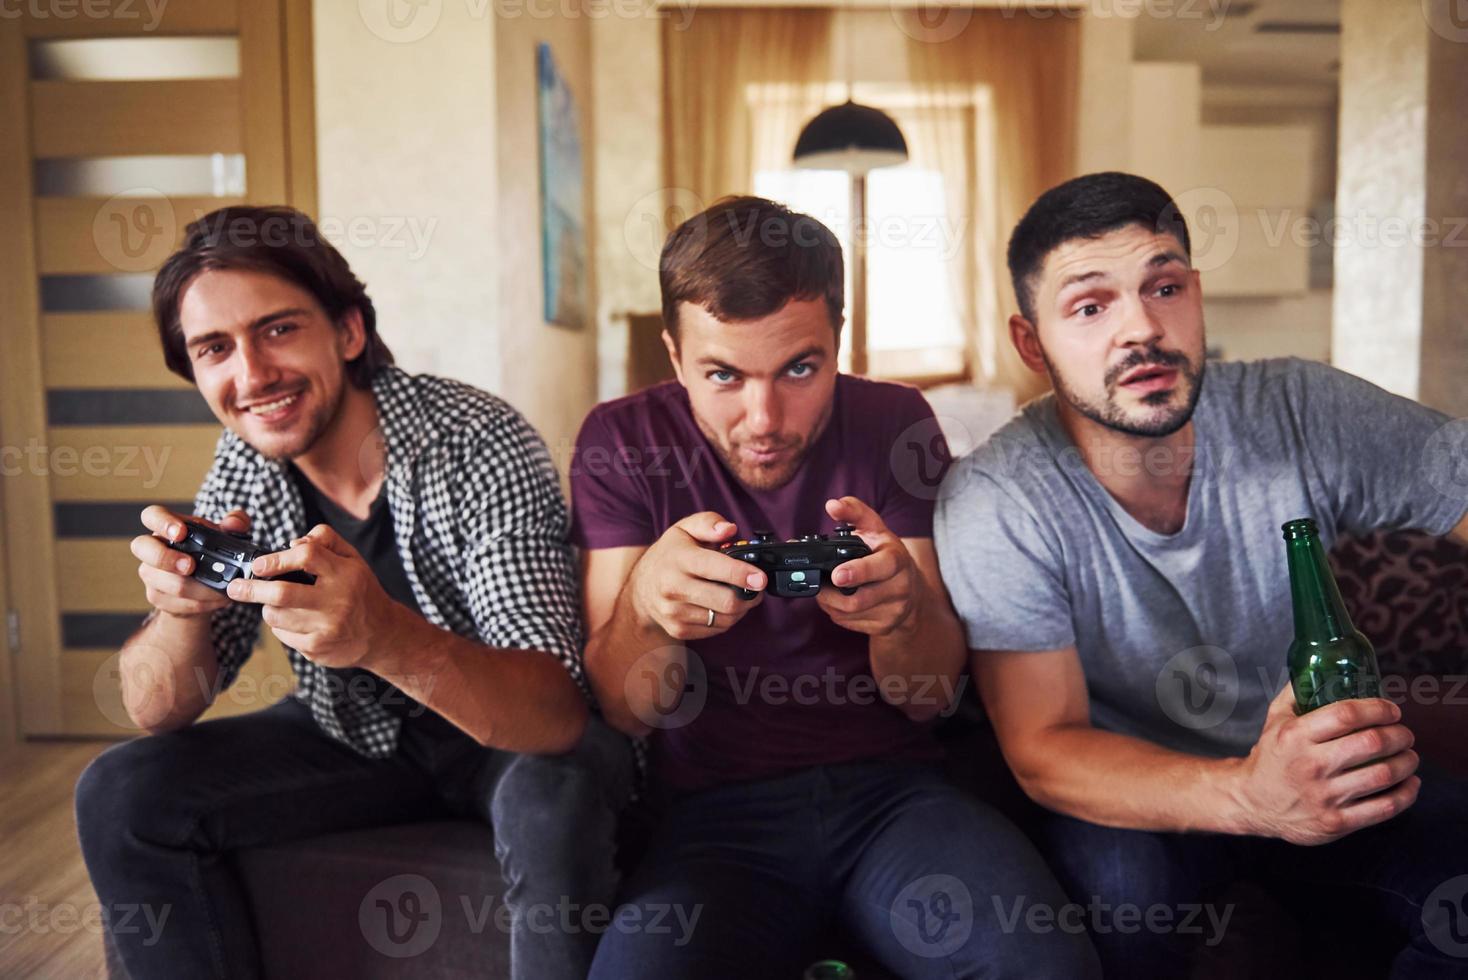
{"points": [[1086, 207], [745, 258], [278, 241]]}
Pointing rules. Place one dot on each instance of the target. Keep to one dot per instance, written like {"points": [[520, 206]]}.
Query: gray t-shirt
{"points": [[1183, 637]]}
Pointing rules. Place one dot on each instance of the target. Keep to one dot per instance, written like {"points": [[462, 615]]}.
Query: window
{"points": [[914, 326]]}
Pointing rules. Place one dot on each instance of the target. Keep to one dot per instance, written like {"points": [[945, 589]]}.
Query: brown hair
{"points": [[278, 241], [745, 258]]}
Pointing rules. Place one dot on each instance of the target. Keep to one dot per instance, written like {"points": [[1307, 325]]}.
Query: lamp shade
{"points": [[851, 137]]}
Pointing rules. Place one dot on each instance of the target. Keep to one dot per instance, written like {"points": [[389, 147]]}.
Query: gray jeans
{"points": [[159, 815]]}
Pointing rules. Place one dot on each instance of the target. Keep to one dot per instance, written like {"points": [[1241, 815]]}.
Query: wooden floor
{"points": [[49, 916]]}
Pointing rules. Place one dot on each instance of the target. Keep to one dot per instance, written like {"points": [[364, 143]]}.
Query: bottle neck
{"points": [[1320, 613]]}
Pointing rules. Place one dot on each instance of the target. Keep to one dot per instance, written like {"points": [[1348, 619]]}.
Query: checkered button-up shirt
{"points": [[481, 527]]}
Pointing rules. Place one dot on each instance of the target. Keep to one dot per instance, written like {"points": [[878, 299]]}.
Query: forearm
{"points": [[624, 644], [1120, 781], [515, 700], [917, 665], [168, 670]]}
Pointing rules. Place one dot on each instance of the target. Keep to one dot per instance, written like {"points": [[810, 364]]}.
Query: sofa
{"points": [[317, 902]]}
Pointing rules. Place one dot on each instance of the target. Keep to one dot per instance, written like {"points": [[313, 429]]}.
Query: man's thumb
{"points": [[235, 520], [1284, 702]]}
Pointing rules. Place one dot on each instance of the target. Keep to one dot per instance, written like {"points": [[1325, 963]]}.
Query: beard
{"points": [[309, 430], [1159, 418], [771, 476]]}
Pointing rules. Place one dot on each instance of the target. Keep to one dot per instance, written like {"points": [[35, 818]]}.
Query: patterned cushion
{"points": [[1408, 592]]}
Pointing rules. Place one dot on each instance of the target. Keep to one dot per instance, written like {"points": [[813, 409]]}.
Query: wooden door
{"points": [[122, 122]]}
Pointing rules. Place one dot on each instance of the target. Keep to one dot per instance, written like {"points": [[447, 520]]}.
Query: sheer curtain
{"points": [[1020, 73], [713, 70]]}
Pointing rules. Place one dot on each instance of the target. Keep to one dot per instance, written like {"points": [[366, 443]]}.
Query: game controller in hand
{"points": [[800, 566], [220, 557]]}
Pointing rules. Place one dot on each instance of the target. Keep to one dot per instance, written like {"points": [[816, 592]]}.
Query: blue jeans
{"points": [[1407, 879], [159, 815], [742, 881]]}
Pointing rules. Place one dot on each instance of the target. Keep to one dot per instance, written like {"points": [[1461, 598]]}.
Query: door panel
{"points": [[128, 131]]}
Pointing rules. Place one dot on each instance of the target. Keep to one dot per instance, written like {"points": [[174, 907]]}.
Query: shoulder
{"points": [[625, 420], [461, 420], [1265, 382], [869, 398], [464, 435], [1015, 460], [1273, 398], [236, 466], [456, 407]]}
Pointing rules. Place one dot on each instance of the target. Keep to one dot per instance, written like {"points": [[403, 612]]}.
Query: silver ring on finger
{"points": [[711, 619]]}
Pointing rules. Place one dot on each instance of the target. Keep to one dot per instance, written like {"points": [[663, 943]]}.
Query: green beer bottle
{"points": [[1329, 660], [829, 970]]}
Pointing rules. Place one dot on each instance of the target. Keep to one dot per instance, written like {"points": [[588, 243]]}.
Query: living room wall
{"points": [[428, 160], [549, 370]]}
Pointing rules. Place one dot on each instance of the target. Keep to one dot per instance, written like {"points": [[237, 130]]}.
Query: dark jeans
{"points": [[1406, 880], [158, 816], [741, 882]]}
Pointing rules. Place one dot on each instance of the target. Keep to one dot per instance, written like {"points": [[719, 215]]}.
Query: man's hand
{"points": [[340, 621], [678, 580], [889, 580], [1314, 778], [167, 574]]}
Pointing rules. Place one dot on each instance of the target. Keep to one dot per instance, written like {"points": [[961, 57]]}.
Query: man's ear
{"points": [[1026, 340], [353, 334], [673, 358]]}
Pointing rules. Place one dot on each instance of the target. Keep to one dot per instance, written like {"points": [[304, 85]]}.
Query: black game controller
{"points": [[220, 557], [797, 567]]}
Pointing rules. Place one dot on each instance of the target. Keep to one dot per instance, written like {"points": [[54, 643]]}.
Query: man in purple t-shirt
{"points": [[790, 743]]}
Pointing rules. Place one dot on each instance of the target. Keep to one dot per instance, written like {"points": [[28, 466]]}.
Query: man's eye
{"points": [[1171, 289], [722, 377], [209, 351], [802, 370], [1090, 309], [282, 328]]}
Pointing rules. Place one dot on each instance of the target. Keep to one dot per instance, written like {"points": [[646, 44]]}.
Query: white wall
{"points": [[405, 144], [427, 140], [549, 371], [630, 199]]}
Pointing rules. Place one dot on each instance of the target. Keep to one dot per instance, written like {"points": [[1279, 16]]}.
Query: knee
{"points": [[124, 793], [587, 783], [562, 809], [1123, 866]]}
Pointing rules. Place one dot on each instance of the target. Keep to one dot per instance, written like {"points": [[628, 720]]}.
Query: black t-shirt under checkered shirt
{"points": [[480, 523]]}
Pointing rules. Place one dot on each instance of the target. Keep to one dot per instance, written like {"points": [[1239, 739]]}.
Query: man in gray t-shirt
{"points": [[1115, 555]]}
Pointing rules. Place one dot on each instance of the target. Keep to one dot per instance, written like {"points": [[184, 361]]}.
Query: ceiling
{"points": [[1241, 42]]}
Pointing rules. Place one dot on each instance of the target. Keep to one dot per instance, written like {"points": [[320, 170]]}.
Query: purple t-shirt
{"points": [[785, 688]]}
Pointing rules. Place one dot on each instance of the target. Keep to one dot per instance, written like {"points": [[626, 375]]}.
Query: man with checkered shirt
{"points": [[437, 654]]}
